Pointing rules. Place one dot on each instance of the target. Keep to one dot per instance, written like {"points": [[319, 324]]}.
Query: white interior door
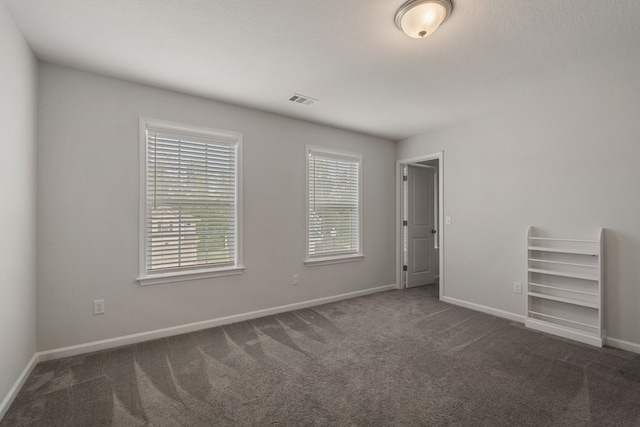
{"points": [[421, 257]]}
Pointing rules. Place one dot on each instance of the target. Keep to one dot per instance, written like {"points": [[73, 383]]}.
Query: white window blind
{"points": [[191, 215], [334, 204]]}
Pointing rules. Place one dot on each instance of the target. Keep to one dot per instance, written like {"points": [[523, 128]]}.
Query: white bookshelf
{"points": [[564, 286]]}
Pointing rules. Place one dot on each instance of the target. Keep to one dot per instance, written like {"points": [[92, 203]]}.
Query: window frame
{"points": [[149, 278], [333, 258]]}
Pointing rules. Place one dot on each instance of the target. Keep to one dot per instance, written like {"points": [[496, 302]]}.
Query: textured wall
{"points": [[88, 187], [568, 166]]}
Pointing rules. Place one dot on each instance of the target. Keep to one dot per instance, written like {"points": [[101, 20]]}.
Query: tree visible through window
{"points": [[334, 207], [191, 210]]}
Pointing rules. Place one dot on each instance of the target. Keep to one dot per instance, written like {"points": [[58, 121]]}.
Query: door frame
{"points": [[399, 203]]}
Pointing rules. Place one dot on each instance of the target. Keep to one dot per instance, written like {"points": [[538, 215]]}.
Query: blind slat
{"points": [[191, 200], [334, 204]]}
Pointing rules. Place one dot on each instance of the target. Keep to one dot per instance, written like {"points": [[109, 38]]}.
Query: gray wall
{"points": [[17, 216], [88, 177], [569, 166]]}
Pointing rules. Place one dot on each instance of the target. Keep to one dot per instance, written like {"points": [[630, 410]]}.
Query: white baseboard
{"points": [[558, 330], [611, 342], [8, 400], [191, 327], [485, 309], [623, 345]]}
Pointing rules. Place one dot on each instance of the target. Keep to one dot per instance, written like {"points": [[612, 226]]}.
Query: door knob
{"points": [[433, 231]]}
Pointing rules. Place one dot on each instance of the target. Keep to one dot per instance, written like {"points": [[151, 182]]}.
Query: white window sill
{"points": [[189, 275], [333, 259]]}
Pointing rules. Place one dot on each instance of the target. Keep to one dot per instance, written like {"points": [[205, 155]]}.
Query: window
{"points": [[190, 203], [334, 207]]}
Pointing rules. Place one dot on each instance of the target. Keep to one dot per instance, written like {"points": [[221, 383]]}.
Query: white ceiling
{"points": [[490, 55]]}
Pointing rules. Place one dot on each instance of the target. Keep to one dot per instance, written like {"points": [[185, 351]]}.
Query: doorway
{"points": [[420, 216]]}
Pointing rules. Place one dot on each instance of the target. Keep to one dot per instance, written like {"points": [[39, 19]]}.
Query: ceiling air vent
{"points": [[302, 99]]}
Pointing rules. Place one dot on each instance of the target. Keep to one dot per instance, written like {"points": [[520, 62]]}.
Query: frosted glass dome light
{"points": [[420, 18]]}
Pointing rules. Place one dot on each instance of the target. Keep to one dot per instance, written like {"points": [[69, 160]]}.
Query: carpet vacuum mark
{"points": [[398, 358]]}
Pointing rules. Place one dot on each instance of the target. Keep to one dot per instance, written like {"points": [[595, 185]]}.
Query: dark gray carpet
{"points": [[399, 358]]}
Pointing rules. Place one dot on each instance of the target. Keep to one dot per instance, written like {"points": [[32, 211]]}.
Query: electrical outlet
{"points": [[517, 287], [296, 279], [448, 220], [98, 306]]}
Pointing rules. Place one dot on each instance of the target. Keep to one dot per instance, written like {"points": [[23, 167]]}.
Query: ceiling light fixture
{"points": [[420, 18]]}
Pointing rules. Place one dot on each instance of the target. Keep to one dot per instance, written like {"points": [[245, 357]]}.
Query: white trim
{"points": [[422, 158], [17, 386], [420, 165], [558, 330], [239, 202], [142, 197], [587, 339], [441, 230], [187, 129], [333, 260], [623, 345], [347, 155], [484, 309], [234, 138], [196, 326], [189, 275]]}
